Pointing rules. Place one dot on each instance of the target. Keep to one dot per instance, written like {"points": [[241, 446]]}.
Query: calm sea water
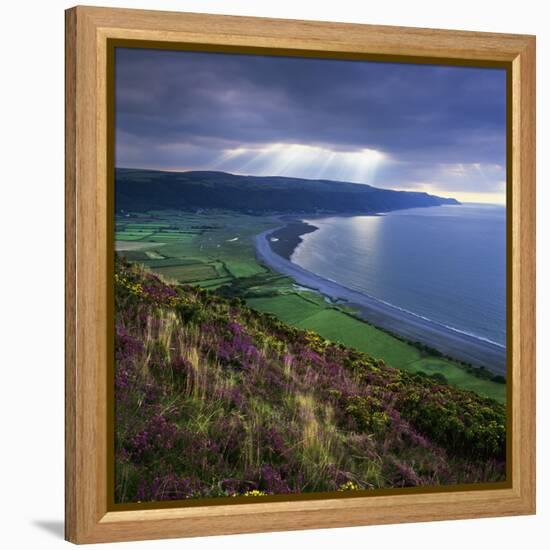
{"points": [[445, 263]]}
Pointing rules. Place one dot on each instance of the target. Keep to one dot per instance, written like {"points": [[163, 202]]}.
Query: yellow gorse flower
{"points": [[254, 493], [349, 486], [133, 288], [315, 342]]}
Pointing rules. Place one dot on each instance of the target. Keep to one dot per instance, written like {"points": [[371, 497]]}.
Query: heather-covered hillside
{"points": [[215, 399]]}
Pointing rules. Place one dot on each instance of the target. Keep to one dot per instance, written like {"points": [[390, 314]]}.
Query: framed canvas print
{"points": [[299, 274]]}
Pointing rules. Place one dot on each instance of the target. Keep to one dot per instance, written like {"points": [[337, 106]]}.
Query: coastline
{"points": [[405, 324]]}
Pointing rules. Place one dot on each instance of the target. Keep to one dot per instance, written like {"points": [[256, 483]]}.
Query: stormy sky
{"points": [[399, 126]]}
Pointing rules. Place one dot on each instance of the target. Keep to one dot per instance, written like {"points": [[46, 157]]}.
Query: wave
{"points": [[433, 321]]}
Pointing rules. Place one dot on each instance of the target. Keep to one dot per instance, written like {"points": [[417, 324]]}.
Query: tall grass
{"points": [[215, 399]]}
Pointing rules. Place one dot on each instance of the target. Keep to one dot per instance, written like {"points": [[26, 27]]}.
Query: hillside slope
{"points": [[214, 399], [142, 190]]}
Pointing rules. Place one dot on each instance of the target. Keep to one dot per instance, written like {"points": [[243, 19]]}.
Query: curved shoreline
{"points": [[284, 240], [448, 341]]}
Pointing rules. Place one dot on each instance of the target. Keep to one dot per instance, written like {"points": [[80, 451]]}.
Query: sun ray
{"points": [[306, 161]]}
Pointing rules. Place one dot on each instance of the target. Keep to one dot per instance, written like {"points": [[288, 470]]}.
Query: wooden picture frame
{"points": [[89, 35]]}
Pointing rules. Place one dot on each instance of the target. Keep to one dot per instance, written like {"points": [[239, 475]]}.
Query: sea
{"points": [[444, 263]]}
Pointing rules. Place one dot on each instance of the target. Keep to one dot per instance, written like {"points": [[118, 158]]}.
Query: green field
{"points": [[188, 273], [216, 250], [206, 249], [335, 325]]}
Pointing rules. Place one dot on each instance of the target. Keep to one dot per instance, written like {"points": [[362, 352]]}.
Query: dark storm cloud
{"points": [[184, 109]]}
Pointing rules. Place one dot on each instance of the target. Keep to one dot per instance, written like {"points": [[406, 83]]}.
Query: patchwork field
{"points": [[187, 247], [215, 250]]}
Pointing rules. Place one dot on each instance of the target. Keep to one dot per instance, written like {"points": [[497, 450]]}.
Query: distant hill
{"points": [[141, 190]]}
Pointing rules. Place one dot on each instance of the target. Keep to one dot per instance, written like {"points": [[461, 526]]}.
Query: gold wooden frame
{"points": [[88, 30]]}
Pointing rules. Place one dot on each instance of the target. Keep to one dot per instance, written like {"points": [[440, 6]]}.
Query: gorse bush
{"points": [[214, 399]]}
